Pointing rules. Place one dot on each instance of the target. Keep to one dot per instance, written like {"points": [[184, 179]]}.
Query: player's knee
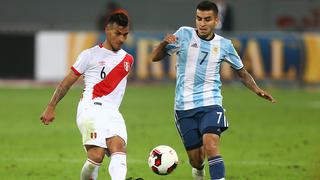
{"points": [[211, 144], [96, 155], [116, 144], [117, 148], [98, 158], [211, 148]]}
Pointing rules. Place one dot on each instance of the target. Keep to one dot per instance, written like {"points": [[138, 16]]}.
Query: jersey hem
{"points": [[178, 109]]}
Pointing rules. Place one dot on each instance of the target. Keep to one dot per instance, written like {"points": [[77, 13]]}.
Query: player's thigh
{"points": [[117, 131], [97, 124], [213, 120], [88, 125]]}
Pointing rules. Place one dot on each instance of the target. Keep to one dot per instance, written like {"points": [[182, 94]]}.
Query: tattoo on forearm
{"points": [[59, 93]]}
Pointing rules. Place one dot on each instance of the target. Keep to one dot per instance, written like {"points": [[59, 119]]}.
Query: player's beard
{"points": [[114, 47], [205, 35]]}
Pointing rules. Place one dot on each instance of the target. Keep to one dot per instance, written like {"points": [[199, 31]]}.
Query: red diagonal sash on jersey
{"points": [[114, 77]]}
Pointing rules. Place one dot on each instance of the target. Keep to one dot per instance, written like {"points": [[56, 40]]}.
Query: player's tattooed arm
{"points": [[249, 82], [63, 88], [49, 113], [159, 52]]}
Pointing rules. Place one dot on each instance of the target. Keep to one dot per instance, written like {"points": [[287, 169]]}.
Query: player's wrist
{"points": [[51, 106], [164, 43]]}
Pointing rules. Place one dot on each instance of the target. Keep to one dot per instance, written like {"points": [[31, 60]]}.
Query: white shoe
{"points": [[198, 174]]}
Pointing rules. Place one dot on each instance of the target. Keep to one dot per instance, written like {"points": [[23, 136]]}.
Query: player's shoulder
{"points": [[127, 55], [85, 53], [185, 32], [224, 41], [130, 56], [221, 38], [90, 50], [186, 28]]}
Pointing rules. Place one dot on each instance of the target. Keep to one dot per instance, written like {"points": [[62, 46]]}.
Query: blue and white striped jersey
{"points": [[198, 68]]}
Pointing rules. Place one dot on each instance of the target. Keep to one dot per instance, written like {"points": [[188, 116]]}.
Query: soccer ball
{"points": [[163, 160]]}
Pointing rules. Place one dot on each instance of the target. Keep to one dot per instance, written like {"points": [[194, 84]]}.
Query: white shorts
{"points": [[97, 122]]}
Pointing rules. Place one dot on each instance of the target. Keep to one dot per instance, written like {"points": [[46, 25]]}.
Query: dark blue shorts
{"points": [[193, 123]]}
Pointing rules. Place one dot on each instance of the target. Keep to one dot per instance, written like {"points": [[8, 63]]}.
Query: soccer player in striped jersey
{"points": [[105, 68], [199, 114]]}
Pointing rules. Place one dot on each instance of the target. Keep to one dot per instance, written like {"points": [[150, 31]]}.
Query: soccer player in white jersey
{"points": [[199, 114], [105, 68]]}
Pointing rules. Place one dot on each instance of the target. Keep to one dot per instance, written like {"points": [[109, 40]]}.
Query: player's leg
{"points": [[118, 162], [213, 123], [196, 159], [187, 126], [91, 167], [211, 148], [86, 121]]}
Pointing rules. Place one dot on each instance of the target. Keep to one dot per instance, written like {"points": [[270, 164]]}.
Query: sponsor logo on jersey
{"points": [[102, 63], [195, 45]]}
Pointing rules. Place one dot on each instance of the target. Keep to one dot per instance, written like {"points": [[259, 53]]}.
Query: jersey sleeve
{"points": [[80, 66], [232, 56], [175, 47]]}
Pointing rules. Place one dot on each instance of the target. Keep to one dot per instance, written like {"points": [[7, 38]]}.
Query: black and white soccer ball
{"points": [[163, 160]]}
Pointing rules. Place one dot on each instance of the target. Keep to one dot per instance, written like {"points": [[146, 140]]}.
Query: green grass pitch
{"points": [[264, 142]]}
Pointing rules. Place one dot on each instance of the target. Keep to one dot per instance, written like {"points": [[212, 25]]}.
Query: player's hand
{"points": [[266, 95], [48, 115], [170, 39]]}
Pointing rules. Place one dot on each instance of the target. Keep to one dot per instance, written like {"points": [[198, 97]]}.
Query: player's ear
{"points": [[108, 28], [216, 20]]}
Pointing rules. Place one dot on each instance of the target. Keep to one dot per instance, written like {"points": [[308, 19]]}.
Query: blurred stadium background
{"points": [[278, 40]]}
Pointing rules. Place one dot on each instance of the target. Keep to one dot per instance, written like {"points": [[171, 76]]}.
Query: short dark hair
{"points": [[208, 6], [120, 18]]}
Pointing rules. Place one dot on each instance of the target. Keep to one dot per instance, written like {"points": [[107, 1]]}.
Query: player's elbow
{"points": [[155, 59], [242, 73]]}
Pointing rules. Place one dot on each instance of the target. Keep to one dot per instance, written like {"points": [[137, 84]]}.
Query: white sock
{"points": [[118, 166], [90, 170], [198, 174]]}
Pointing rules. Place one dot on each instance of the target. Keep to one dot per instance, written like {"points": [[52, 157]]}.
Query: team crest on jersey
{"points": [[215, 50], [126, 65]]}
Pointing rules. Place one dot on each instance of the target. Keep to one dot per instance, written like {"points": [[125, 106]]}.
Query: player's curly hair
{"points": [[119, 17], [208, 6]]}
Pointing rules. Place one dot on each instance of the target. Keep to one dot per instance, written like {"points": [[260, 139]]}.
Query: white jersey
{"points": [[105, 75]]}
